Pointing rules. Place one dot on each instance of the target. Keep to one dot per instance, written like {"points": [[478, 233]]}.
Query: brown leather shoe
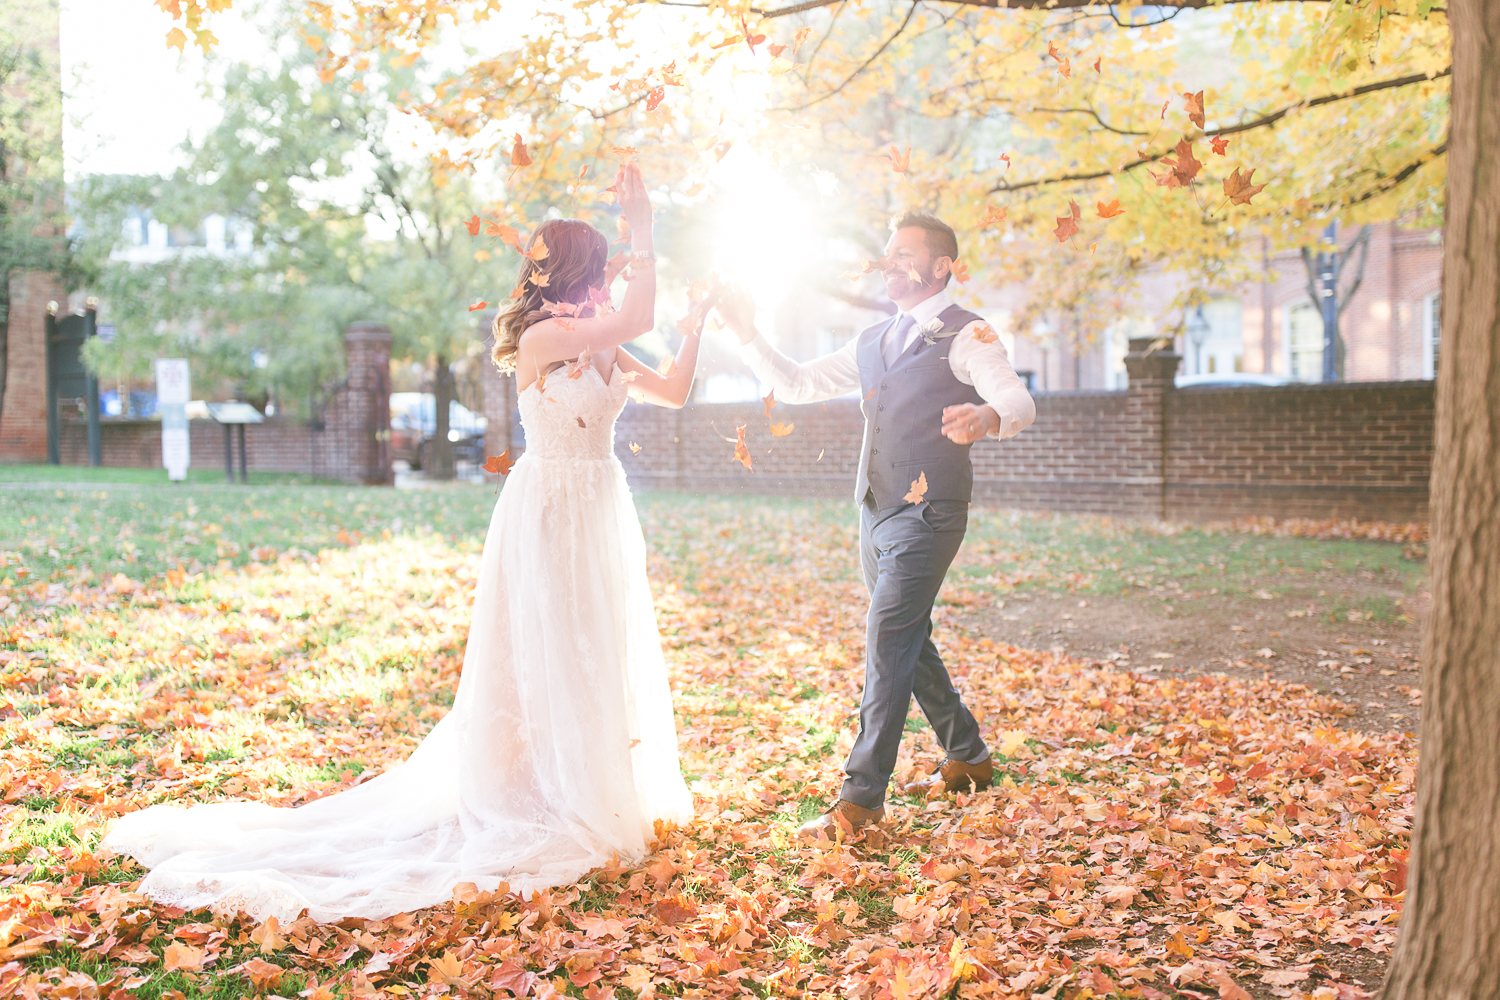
{"points": [[954, 776], [841, 819]]}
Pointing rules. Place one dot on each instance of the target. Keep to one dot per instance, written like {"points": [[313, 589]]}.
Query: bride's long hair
{"points": [[577, 254]]}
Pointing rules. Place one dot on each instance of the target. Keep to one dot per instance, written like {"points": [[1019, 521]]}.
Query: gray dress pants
{"points": [[905, 552]]}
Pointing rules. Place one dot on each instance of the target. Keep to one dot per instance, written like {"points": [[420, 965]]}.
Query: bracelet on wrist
{"points": [[643, 257]]}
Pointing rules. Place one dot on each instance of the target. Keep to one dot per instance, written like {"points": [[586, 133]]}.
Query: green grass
{"points": [[117, 521], [146, 477]]}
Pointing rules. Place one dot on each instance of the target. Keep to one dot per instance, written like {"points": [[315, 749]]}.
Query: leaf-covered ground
{"points": [[1206, 837]]}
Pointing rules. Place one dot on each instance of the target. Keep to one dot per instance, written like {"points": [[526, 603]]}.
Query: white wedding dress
{"points": [[560, 751]]}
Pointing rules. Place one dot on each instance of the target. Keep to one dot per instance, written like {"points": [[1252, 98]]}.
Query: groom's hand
{"points": [[737, 310], [967, 423]]}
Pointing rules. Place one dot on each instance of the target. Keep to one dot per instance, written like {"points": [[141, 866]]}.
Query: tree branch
{"points": [[1262, 122], [1362, 242], [911, 12], [1048, 5]]}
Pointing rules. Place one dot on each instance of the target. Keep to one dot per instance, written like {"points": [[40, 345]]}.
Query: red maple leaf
{"points": [[1067, 225]]}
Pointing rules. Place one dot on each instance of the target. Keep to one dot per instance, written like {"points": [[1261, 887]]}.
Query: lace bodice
{"points": [[572, 418]]}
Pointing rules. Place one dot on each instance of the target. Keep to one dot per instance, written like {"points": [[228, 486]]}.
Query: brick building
{"points": [[1271, 324]]}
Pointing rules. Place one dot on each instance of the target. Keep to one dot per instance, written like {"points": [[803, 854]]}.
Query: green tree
{"points": [[302, 172], [32, 220]]}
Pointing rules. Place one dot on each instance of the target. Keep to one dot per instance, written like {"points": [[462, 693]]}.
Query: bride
{"points": [[560, 751]]}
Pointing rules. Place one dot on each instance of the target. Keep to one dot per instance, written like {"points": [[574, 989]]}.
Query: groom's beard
{"points": [[899, 283]]}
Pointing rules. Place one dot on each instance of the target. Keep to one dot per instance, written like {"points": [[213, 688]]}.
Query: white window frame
{"points": [[1432, 333], [1286, 336]]}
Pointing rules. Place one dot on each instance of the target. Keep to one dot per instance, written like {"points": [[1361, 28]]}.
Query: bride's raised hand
{"points": [[635, 203]]}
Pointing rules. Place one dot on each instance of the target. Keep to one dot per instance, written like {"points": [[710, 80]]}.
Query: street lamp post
{"points": [[1197, 331]]}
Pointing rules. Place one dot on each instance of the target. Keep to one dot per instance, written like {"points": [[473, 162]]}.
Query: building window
{"points": [[1304, 343], [1432, 333]]}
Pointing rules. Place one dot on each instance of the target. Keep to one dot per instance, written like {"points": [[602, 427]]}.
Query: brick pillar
{"points": [[23, 422], [499, 394], [367, 348], [1151, 373]]}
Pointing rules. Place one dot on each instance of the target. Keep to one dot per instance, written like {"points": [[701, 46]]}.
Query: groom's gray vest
{"points": [[903, 408]]}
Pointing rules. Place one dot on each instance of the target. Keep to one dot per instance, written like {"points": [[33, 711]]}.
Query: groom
{"points": [[934, 379]]}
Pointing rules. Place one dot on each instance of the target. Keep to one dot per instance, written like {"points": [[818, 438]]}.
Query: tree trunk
{"points": [[438, 462], [4, 333], [1450, 930]]}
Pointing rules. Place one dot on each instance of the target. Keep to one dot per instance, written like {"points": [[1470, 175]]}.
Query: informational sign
{"points": [[172, 394]]}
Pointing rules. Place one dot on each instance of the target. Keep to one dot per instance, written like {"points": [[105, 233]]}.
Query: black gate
{"points": [[67, 378]]}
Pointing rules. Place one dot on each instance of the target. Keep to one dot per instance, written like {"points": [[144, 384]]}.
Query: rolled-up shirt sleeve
{"points": [[805, 382], [987, 368]]}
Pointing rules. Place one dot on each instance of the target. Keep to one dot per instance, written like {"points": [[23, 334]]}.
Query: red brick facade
{"points": [[23, 422]]}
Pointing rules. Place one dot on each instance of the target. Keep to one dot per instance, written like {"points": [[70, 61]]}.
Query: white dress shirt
{"points": [[984, 366]]}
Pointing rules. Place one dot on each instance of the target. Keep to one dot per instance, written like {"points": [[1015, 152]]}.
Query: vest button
{"points": [[880, 407], [874, 451]]}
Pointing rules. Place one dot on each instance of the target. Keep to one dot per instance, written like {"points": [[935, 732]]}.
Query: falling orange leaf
{"points": [[635, 449], [741, 453], [800, 37], [628, 376], [960, 271], [769, 402], [781, 430], [581, 423], [1194, 106], [626, 153], [1220, 144], [985, 334], [1092, 248], [540, 279], [518, 155], [500, 464], [579, 366], [899, 160], [1184, 168], [473, 224], [1067, 225], [1239, 189], [918, 489], [1005, 158], [654, 98], [667, 366], [775, 50], [1110, 210], [1096, 64], [538, 249], [1063, 66], [478, 306], [992, 215]]}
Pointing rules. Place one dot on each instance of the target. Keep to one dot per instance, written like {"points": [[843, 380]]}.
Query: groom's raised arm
{"points": [[794, 382]]}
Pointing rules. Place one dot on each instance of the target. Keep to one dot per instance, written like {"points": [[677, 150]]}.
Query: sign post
{"points": [[172, 394]]}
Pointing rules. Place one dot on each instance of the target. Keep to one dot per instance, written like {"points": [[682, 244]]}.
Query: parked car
{"points": [[414, 424], [1231, 379]]}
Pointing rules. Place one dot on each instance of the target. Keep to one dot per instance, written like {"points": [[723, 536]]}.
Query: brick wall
{"points": [[1352, 450], [350, 440], [23, 420]]}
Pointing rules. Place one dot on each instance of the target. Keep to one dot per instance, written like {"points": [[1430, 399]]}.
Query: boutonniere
{"points": [[930, 327]]}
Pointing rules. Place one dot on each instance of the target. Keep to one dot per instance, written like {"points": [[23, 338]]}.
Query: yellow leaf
{"points": [[781, 430], [918, 489], [176, 39]]}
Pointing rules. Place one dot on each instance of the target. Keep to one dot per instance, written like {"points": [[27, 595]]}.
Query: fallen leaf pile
{"points": [[1145, 838], [1412, 532]]}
